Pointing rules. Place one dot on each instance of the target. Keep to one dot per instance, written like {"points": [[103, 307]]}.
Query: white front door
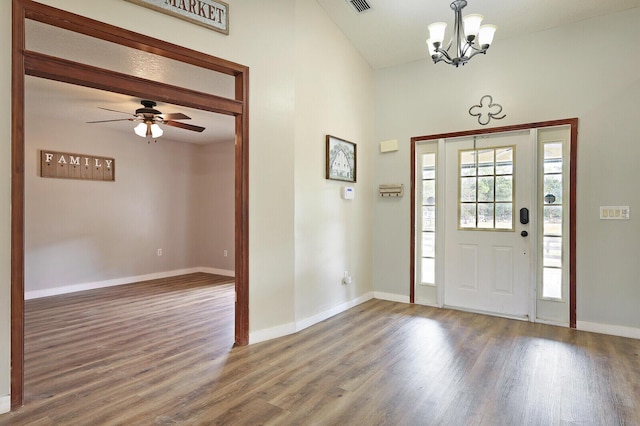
{"points": [[487, 262]]}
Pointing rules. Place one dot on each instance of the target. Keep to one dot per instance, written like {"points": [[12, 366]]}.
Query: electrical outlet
{"points": [[159, 252], [225, 253], [346, 279]]}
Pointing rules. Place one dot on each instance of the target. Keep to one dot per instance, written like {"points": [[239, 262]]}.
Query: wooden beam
{"points": [[53, 68]]}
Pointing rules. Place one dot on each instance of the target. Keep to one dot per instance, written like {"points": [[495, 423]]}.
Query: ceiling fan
{"points": [[149, 118]]}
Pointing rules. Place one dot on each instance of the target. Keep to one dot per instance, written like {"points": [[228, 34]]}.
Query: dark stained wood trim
{"points": [[17, 206], [573, 123], [573, 179], [242, 206], [49, 67], [45, 66]]}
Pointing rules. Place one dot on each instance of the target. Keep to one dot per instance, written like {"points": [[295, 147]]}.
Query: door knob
{"points": [[524, 233]]}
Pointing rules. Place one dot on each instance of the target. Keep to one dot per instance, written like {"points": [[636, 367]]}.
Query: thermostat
{"points": [[348, 192]]}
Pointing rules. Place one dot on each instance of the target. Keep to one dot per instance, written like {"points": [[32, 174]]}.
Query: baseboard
{"points": [[36, 294], [294, 327], [614, 330], [308, 322], [5, 404], [391, 297], [271, 333]]}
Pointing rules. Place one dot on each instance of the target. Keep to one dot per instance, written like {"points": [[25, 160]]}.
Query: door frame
{"points": [[26, 62], [573, 124]]}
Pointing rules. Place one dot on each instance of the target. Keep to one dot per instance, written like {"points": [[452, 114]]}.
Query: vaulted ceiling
{"points": [[394, 32]]}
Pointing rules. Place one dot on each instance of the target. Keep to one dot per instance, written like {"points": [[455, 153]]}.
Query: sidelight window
{"points": [[552, 238], [428, 223]]}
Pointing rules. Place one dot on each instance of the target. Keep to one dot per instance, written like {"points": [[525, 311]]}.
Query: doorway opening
{"points": [[25, 62]]}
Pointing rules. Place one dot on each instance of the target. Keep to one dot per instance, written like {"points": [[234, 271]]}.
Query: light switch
{"points": [[614, 212]]}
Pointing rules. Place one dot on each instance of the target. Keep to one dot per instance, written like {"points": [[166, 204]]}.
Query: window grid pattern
{"points": [[428, 227], [486, 189], [552, 214]]}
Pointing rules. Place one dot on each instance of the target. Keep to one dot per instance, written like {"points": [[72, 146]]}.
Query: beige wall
{"points": [[164, 195], [215, 206], [585, 70]]}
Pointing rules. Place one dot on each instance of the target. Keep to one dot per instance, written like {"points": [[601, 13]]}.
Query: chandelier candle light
{"points": [[465, 32]]}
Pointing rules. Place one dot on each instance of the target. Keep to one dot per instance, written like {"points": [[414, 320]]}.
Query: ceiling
{"points": [[393, 32], [76, 105]]}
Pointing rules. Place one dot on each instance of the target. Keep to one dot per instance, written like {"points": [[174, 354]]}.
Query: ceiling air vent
{"points": [[359, 6]]}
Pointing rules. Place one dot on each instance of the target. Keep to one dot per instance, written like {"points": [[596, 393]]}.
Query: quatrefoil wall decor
{"points": [[486, 110]]}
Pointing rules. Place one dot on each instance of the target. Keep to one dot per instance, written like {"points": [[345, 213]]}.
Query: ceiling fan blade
{"points": [[107, 121], [115, 110], [184, 126], [175, 116]]}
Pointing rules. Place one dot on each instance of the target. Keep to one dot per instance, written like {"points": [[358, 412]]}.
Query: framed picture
{"points": [[341, 159]]}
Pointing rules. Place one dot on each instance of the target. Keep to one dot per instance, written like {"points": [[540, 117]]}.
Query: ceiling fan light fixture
{"points": [[156, 131], [141, 130], [148, 130]]}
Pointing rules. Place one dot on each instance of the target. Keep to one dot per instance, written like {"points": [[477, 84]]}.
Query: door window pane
{"points": [[468, 216], [485, 216], [504, 215], [468, 163], [486, 188], [468, 189], [504, 188]]}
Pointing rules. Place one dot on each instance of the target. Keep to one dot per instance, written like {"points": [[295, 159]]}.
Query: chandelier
{"points": [[465, 32]]}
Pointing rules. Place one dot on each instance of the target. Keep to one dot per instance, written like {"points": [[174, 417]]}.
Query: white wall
{"points": [[334, 95], [263, 36], [587, 70], [79, 233]]}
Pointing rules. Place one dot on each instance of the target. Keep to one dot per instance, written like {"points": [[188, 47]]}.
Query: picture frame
{"points": [[341, 161]]}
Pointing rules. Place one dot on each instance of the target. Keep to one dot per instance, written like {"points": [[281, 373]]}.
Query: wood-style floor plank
{"points": [[161, 352]]}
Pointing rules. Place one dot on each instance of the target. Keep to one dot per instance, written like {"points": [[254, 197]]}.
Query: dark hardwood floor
{"points": [[161, 352]]}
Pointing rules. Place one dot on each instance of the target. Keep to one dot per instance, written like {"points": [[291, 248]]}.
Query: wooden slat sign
{"points": [[64, 165], [212, 14]]}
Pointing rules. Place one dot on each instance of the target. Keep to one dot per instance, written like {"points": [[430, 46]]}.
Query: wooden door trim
{"points": [[31, 63], [573, 156]]}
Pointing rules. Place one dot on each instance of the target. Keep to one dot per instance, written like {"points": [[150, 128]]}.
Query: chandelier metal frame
{"points": [[469, 37]]}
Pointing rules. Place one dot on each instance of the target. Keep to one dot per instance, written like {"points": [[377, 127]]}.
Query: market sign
{"points": [[208, 13], [64, 165]]}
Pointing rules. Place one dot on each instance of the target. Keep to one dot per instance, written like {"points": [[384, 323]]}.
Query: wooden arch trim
{"points": [[31, 63], [573, 157]]}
